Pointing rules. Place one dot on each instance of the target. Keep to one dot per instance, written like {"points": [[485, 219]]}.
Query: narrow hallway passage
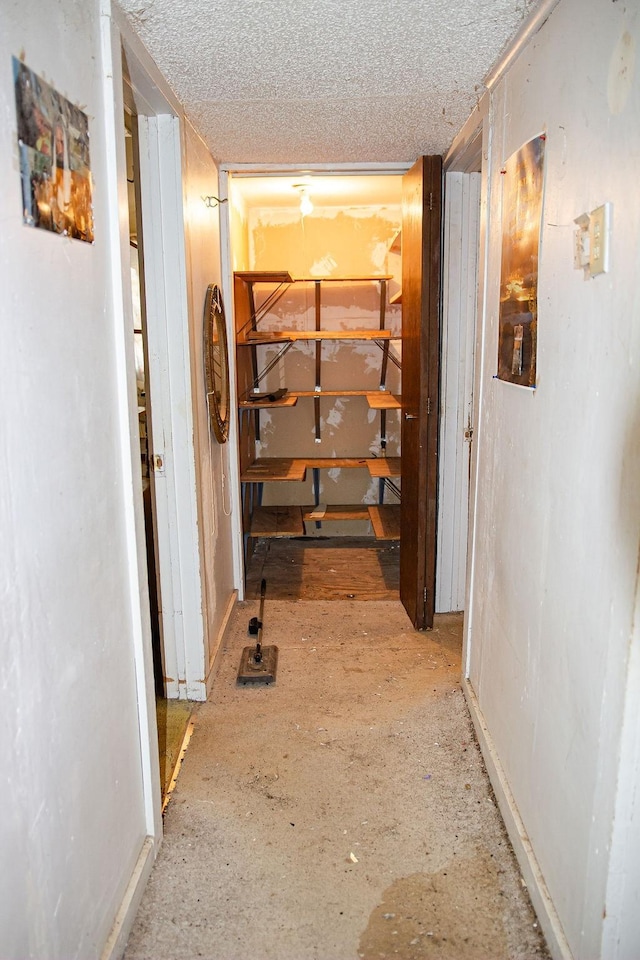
{"points": [[342, 813]]}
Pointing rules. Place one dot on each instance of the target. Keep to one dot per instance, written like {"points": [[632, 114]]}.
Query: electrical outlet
{"points": [[599, 239]]}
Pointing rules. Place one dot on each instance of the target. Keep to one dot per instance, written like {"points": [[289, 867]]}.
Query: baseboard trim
{"points": [[176, 770], [117, 941], [222, 632], [531, 874]]}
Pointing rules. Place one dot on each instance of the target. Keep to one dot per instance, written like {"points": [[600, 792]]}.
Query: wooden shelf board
{"points": [[255, 337], [385, 519], [283, 276], [383, 400], [396, 243], [377, 399], [325, 463], [385, 466], [264, 276], [277, 521], [336, 511], [274, 468], [283, 468], [289, 401], [332, 393], [396, 297], [287, 521], [350, 279]]}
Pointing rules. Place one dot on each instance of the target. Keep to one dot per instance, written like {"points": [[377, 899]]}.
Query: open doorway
{"points": [[319, 257], [332, 323], [172, 714]]}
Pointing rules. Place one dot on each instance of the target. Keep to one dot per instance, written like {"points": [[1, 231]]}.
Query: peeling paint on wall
{"points": [[356, 239]]}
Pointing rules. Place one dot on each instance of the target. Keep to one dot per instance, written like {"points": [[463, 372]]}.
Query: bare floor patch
{"points": [[456, 914], [351, 788]]}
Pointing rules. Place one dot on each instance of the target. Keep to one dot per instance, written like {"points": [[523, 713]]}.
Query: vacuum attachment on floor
{"points": [[258, 664]]}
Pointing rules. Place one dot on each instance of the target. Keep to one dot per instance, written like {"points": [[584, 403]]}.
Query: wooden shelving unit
{"points": [[256, 295]]}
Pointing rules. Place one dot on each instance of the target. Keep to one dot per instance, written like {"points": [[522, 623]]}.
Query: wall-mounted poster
{"points": [[522, 183], [53, 139]]}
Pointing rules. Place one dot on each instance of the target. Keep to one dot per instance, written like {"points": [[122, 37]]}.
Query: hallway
{"points": [[343, 812]]}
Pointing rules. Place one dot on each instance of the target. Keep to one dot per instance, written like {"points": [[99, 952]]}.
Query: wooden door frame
{"points": [[226, 173], [461, 256], [172, 458], [474, 135]]}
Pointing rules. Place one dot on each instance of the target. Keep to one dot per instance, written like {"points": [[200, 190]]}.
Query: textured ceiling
{"points": [[313, 81]]}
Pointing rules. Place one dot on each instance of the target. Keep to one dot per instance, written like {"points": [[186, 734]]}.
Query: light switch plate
{"points": [[581, 242], [599, 239]]}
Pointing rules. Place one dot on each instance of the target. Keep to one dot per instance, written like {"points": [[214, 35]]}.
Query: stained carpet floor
{"points": [[342, 813]]}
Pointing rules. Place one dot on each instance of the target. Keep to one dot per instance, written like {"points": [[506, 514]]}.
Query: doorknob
{"points": [[411, 416]]}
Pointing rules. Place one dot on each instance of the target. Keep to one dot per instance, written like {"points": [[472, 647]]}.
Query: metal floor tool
{"points": [[258, 664]]}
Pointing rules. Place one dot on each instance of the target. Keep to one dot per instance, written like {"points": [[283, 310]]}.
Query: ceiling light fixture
{"points": [[306, 206]]}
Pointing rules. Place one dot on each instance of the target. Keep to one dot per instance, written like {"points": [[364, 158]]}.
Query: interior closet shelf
{"points": [[277, 521], [333, 393], [327, 463], [336, 511], [289, 401], [283, 276], [257, 337], [385, 520], [283, 468], [274, 468], [377, 399], [384, 467], [383, 400], [265, 276], [354, 278]]}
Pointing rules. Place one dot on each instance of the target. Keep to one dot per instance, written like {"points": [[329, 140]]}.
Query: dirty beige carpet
{"points": [[343, 813]]}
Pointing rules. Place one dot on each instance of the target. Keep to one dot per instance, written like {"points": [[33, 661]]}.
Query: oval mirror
{"points": [[216, 362]]}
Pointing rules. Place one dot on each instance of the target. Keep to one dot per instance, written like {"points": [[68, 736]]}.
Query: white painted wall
{"points": [[73, 819], [216, 493], [557, 514], [79, 785]]}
